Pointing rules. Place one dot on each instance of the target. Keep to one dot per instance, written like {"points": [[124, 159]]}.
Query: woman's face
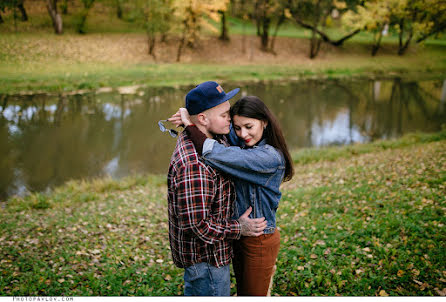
{"points": [[248, 129]]}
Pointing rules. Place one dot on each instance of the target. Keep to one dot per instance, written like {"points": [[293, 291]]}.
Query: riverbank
{"points": [[359, 220], [35, 63]]}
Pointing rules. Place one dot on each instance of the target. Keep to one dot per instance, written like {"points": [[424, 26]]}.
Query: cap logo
{"points": [[220, 90]]}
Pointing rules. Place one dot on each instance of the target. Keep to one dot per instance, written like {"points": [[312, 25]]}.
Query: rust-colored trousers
{"points": [[253, 263]]}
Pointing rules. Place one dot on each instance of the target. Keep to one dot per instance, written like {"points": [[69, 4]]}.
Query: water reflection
{"points": [[47, 140]]}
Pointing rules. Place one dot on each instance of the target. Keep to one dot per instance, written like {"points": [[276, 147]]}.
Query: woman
{"points": [[258, 162]]}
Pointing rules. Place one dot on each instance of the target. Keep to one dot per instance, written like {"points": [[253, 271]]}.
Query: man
{"points": [[201, 201]]}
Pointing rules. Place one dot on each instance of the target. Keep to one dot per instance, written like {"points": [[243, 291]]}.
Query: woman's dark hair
{"points": [[253, 107]]}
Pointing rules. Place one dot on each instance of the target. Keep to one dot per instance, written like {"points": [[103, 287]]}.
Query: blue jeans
{"points": [[204, 279]]}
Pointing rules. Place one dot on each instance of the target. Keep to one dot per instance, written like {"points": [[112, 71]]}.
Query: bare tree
{"points": [[51, 5]]}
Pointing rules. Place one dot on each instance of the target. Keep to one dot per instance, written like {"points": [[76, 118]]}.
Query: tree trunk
{"points": [[315, 45], [151, 41], [377, 43], [257, 16], [80, 26], [22, 11], [56, 18], [402, 49], [119, 13], [1, 18], [224, 27], [279, 23], [265, 33], [180, 47], [64, 7]]}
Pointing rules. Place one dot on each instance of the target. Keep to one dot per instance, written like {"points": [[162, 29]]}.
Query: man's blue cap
{"points": [[207, 95]]}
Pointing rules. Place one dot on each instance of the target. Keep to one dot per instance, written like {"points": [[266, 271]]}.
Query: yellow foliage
{"points": [[194, 14]]}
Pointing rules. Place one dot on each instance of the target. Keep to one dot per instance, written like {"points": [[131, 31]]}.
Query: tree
{"points": [[224, 26], [13, 4], [314, 15], [56, 18], [419, 19], [373, 16], [119, 12], [64, 7], [155, 18], [193, 16], [22, 10], [411, 19], [82, 17]]}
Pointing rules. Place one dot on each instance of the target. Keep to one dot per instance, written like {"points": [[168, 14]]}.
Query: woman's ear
{"points": [[264, 124]]}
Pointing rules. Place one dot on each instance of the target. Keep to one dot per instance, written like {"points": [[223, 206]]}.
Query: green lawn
{"points": [[368, 220]]}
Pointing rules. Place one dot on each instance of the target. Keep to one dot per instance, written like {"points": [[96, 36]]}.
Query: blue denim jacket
{"points": [[257, 173]]}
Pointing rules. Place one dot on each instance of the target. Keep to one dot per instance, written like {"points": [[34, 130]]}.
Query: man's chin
{"points": [[224, 132]]}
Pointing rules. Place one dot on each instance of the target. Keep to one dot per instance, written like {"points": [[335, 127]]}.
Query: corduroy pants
{"points": [[253, 263]]}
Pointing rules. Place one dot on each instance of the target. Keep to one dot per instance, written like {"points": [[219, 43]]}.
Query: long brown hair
{"points": [[253, 107]]}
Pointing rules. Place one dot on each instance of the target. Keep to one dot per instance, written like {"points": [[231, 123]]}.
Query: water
{"points": [[47, 140]]}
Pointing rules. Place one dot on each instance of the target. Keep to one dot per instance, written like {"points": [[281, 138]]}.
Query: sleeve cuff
{"points": [[236, 230]]}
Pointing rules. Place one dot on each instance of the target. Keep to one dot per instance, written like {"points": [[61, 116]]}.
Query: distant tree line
{"points": [[413, 20]]}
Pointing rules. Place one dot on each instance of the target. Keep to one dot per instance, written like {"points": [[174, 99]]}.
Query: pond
{"points": [[46, 140]]}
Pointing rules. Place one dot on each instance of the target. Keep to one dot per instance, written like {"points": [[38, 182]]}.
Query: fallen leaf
{"points": [[441, 292], [383, 293], [313, 256]]}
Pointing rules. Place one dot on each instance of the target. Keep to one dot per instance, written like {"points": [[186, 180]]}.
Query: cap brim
{"points": [[231, 94]]}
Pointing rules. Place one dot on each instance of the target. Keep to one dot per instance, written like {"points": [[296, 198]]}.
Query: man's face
{"points": [[219, 118]]}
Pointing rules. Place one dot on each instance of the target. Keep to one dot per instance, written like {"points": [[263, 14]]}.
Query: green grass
{"points": [[358, 224], [310, 155], [35, 77]]}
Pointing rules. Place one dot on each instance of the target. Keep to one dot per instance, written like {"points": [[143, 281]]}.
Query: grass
{"points": [[362, 223]]}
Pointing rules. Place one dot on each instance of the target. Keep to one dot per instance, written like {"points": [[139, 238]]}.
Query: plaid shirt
{"points": [[200, 202]]}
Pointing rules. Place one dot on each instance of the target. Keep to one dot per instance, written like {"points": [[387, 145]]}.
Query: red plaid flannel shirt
{"points": [[200, 203]]}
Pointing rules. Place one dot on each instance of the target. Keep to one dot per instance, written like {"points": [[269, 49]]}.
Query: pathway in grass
{"points": [[371, 224]]}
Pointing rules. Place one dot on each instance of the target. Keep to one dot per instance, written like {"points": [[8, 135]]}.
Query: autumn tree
{"points": [[315, 14], [373, 17], [418, 19], [413, 20], [193, 16]]}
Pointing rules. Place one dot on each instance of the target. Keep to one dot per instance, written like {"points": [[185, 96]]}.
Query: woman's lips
{"points": [[247, 140]]}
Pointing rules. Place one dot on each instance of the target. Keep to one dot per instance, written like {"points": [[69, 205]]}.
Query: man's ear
{"points": [[202, 119]]}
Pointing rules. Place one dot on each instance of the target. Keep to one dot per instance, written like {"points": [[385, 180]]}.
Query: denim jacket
{"points": [[257, 173]]}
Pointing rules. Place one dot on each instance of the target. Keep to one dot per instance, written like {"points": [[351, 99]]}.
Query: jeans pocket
{"points": [[191, 272]]}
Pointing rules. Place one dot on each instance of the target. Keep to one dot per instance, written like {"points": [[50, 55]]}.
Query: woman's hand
{"points": [[181, 118], [185, 117]]}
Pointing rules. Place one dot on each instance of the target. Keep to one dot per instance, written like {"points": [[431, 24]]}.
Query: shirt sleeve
{"points": [[255, 165], [195, 196]]}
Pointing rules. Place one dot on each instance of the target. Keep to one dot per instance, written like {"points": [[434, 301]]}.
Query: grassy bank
{"points": [[47, 63], [364, 222]]}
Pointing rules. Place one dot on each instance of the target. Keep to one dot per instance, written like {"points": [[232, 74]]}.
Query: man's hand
{"points": [[251, 227]]}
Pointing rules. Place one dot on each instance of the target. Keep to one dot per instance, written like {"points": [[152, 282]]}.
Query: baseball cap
{"points": [[207, 95]]}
